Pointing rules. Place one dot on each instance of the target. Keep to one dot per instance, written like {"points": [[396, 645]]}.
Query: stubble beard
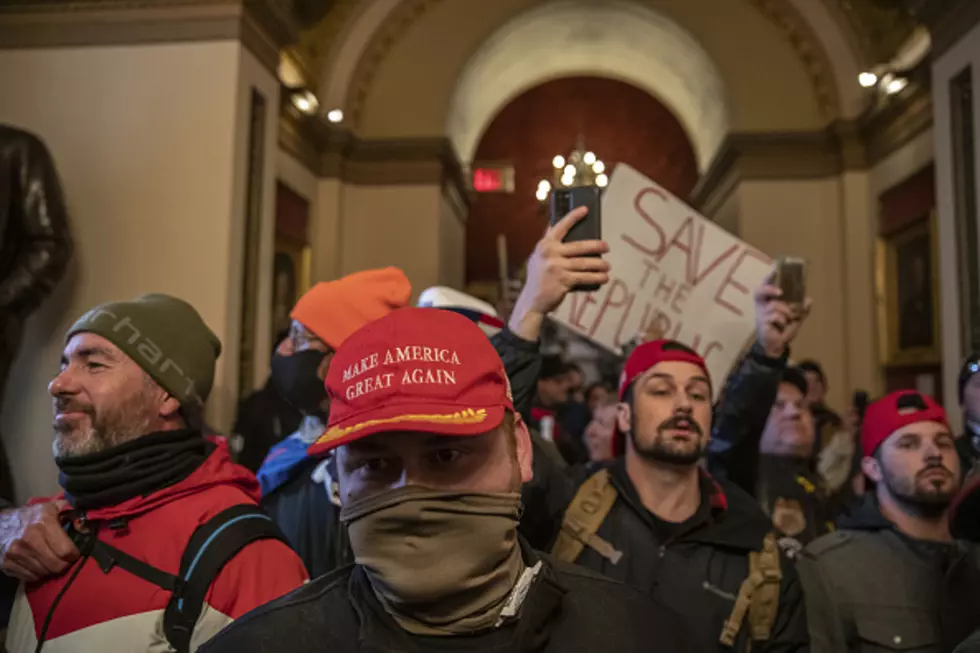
{"points": [[925, 500], [107, 428]]}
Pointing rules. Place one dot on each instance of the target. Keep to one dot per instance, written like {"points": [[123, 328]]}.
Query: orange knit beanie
{"points": [[333, 310]]}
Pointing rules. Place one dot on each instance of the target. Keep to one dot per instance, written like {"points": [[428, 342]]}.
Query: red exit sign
{"points": [[492, 178]]}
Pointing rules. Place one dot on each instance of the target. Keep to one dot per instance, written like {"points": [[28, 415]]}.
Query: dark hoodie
{"points": [[566, 610], [871, 588], [696, 568]]}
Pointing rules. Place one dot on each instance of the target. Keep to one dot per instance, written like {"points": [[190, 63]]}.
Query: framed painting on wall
{"points": [[290, 279], [908, 279]]}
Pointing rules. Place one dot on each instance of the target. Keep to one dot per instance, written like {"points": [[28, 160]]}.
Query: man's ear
{"points": [[624, 417], [170, 407], [872, 469], [525, 452]]}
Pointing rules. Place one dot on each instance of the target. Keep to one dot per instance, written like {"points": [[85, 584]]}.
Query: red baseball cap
{"points": [[892, 412], [645, 357], [415, 369]]}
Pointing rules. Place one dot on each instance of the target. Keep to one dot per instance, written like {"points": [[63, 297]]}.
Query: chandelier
{"points": [[580, 168]]}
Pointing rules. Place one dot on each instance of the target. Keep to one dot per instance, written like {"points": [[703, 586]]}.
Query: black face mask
{"points": [[295, 378]]}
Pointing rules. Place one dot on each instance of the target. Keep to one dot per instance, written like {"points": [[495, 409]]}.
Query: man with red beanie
{"points": [[297, 491], [430, 460], [893, 577], [655, 520]]}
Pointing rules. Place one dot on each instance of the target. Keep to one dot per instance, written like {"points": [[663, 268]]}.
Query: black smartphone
{"points": [[563, 200], [791, 279]]}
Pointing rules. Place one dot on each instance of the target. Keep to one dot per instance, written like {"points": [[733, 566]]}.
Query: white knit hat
{"points": [[482, 313]]}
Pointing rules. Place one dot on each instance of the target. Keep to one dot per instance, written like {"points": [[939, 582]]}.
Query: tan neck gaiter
{"points": [[441, 563]]}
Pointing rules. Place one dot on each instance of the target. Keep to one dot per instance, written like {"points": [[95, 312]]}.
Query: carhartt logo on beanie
{"points": [[163, 335], [333, 310]]}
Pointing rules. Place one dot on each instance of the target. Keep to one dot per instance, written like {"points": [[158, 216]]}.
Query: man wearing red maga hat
{"points": [[656, 520], [431, 459], [893, 576]]}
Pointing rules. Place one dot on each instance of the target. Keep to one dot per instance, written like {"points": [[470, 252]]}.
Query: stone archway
{"points": [[821, 40], [619, 40]]}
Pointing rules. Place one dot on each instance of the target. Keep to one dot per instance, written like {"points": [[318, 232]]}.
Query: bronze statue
{"points": [[35, 245]]}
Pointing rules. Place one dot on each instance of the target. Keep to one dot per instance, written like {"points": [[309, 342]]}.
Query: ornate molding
{"points": [[391, 31], [332, 152], [316, 43], [807, 46], [843, 146], [263, 26], [879, 28], [775, 155], [797, 31]]}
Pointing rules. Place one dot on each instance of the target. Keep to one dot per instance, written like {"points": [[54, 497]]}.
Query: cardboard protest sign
{"points": [[673, 272]]}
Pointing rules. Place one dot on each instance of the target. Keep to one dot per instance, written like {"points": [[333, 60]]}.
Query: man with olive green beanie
{"points": [[140, 479], [163, 335]]}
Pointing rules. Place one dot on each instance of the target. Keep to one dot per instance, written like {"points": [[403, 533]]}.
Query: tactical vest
{"points": [[758, 595]]}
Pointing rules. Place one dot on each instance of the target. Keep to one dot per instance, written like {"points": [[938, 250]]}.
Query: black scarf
{"points": [[135, 468]]}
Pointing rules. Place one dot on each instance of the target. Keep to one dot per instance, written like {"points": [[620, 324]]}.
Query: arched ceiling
{"points": [[618, 40], [397, 67]]}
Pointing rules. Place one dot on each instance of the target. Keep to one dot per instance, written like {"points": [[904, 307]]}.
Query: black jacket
{"points": [[698, 572], [264, 418], [310, 520], [870, 588], [741, 416], [35, 244], [794, 497], [970, 645], [567, 610], [302, 507], [779, 483]]}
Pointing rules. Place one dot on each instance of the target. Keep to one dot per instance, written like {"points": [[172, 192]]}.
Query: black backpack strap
{"points": [[210, 548], [108, 556]]}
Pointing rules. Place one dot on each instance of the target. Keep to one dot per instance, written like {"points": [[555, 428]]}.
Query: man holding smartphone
{"points": [[665, 526]]}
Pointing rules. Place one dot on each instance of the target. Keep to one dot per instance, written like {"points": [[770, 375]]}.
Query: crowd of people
{"points": [[422, 478]]}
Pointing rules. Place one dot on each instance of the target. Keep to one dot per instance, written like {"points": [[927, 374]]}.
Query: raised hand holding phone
{"points": [[587, 228]]}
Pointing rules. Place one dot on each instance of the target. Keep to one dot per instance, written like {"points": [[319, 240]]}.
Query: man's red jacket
{"points": [[119, 611]]}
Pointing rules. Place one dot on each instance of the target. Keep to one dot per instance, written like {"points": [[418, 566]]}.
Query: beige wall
{"points": [[803, 218], [147, 146], [297, 176], [325, 230], [393, 225], [727, 215], [354, 227], [452, 242], [965, 53], [858, 232]]}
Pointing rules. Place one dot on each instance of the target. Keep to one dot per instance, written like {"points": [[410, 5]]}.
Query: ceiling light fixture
{"points": [[867, 80]]}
